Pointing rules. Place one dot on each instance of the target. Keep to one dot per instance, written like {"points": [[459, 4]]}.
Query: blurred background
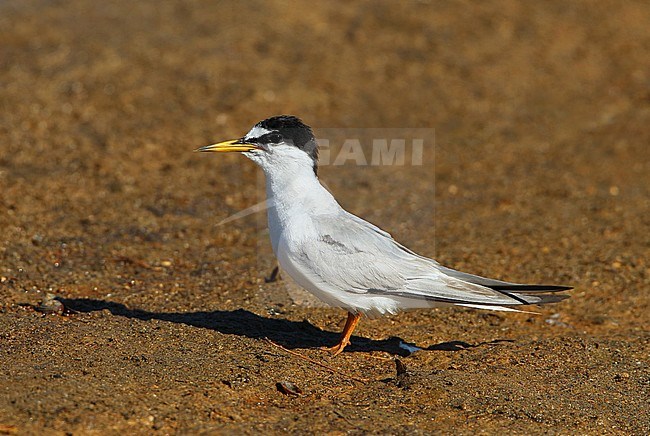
{"points": [[540, 173]]}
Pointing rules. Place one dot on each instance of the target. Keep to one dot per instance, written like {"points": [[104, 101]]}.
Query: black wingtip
{"points": [[531, 288]]}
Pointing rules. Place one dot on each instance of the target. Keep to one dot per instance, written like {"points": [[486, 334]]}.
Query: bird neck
{"points": [[294, 191]]}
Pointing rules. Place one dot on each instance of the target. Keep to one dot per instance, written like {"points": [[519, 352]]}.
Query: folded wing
{"points": [[354, 256]]}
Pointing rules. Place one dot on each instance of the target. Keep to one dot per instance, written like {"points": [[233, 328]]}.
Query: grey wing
{"points": [[347, 257], [352, 255]]}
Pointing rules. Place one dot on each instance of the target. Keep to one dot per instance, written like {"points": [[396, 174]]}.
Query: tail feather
{"points": [[496, 308], [532, 294], [535, 298], [524, 294]]}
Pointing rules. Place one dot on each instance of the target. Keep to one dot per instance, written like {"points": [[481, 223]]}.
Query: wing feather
{"points": [[354, 256]]}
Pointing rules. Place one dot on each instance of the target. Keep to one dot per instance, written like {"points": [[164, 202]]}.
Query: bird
{"points": [[348, 262]]}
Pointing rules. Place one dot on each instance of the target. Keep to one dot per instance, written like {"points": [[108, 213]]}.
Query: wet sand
{"points": [[540, 173]]}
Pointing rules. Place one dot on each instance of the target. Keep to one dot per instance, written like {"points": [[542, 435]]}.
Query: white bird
{"points": [[346, 261]]}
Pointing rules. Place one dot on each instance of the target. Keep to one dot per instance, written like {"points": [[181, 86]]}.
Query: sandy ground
{"points": [[540, 173]]}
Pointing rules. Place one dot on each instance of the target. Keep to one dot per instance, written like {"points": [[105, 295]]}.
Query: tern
{"points": [[344, 260]]}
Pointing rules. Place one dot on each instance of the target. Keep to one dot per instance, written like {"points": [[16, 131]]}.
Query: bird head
{"points": [[277, 141]]}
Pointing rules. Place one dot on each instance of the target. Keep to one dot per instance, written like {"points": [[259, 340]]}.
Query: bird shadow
{"points": [[289, 334]]}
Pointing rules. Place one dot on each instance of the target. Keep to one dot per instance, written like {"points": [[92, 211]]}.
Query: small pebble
{"points": [[50, 304], [288, 388]]}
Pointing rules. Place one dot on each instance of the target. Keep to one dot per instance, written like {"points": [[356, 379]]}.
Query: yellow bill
{"points": [[230, 145]]}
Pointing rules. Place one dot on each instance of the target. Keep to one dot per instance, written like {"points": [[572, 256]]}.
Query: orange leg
{"points": [[350, 324]]}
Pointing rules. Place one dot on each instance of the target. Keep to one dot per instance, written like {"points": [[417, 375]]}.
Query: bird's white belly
{"points": [[286, 241], [305, 282]]}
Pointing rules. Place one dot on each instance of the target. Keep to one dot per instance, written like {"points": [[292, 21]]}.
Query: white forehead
{"points": [[256, 132]]}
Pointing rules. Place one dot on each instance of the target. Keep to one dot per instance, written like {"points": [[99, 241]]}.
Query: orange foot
{"points": [[336, 349], [350, 324]]}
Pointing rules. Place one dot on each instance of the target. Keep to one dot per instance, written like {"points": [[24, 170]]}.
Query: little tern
{"points": [[344, 260]]}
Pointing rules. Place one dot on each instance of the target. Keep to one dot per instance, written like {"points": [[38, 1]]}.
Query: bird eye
{"points": [[274, 138]]}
